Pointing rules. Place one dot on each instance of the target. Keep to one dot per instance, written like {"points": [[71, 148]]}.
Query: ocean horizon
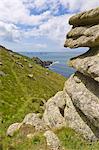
{"points": [[60, 60]]}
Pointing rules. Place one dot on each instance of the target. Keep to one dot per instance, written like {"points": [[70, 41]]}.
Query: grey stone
{"points": [[82, 89], [30, 75], [52, 115], [75, 121], [82, 41], [34, 120], [53, 142], [58, 100], [85, 18], [2, 74], [85, 97], [87, 63], [84, 31], [13, 128]]}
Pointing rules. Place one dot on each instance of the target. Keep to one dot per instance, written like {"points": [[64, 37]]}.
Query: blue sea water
{"points": [[60, 60]]}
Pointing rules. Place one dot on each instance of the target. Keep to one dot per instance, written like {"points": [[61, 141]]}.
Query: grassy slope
{"points": [[19, 95]]}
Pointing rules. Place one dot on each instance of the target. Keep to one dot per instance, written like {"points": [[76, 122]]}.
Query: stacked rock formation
{"points": [[83, 87], [77, 106]]}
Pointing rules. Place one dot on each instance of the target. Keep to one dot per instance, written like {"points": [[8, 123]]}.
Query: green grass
{"points": [[18, 142], [20, 94], [73, 141], [69, 139]]}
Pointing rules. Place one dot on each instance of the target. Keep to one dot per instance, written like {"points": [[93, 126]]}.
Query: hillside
{"points": [[24, 87]]}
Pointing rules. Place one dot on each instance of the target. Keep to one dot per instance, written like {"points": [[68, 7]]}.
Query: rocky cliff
{"points": [[77, 106]]}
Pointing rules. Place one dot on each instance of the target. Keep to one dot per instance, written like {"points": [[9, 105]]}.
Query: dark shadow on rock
{"points": [[91, 52], [91, 84], [87, 121]]}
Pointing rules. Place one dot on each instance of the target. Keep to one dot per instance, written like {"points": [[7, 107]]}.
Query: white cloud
{"points": [[10, 32], [54, 29], [89, 4], [14, 13]]}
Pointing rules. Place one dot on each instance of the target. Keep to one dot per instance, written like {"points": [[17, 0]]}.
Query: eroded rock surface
{"points": [[75, 121], [85, 30], [90, 17], [88, 63], [34, 120], [84, 93], [53, 116]]}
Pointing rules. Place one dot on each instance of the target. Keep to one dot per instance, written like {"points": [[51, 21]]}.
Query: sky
{"points": [[38, 25]]}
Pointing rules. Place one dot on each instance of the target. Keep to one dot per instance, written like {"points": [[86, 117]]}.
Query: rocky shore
{"points": [[45, 64]]}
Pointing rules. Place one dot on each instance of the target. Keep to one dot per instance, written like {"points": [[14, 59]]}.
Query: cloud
{"points": [[10, 32], [54, 29], [27, 20], [15, 11], [89, 4]]}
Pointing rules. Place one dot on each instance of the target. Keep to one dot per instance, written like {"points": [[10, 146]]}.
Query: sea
{"points": [[60, 60]]}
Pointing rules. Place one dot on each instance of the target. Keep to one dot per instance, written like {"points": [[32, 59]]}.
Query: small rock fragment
{"points": [[1, 63], [53, 142], [2, 74], [47, 73], [30, 65], [13, 128], [30, 75]]}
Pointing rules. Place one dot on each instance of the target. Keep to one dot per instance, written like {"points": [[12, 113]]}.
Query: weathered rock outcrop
{"points": [[75, 121], [85, 18], [87, 63], [80, 97], [83, 87], [34, 120], [31, 119], [42, 63], [54, 114], [85, 30]]}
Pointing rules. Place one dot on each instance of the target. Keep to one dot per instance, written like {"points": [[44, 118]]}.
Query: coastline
{"points": [[60, 60]]}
